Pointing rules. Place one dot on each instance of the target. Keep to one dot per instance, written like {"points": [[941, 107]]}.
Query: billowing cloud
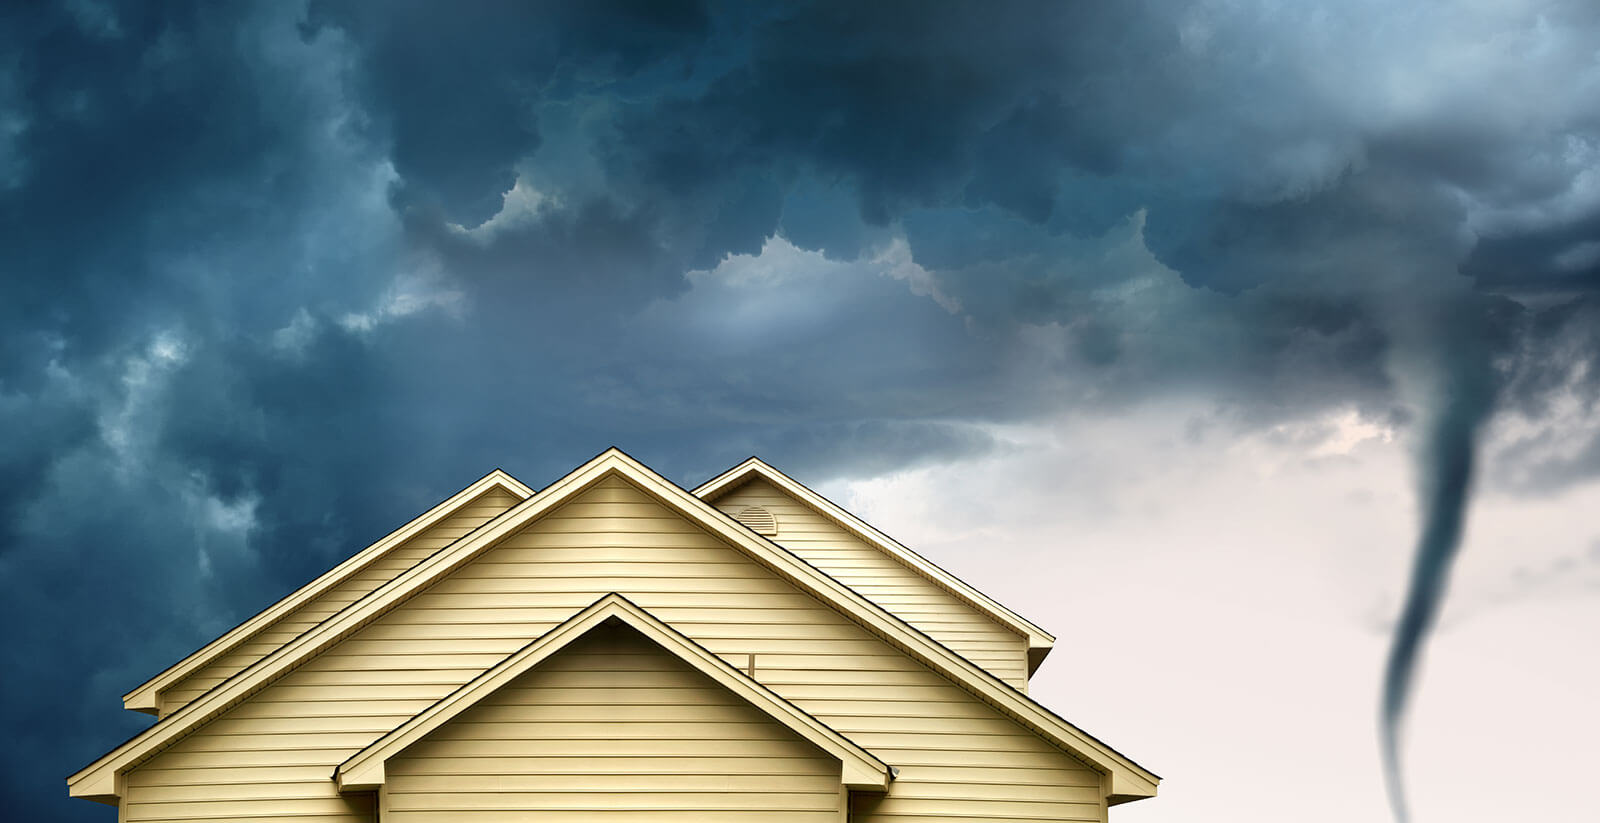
{"points": [[277, 277]]}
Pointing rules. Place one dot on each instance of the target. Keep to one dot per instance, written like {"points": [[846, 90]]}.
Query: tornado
{"points": [[1446, 466]]}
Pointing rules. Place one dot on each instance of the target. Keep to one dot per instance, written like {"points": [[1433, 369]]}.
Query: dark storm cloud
{"points": [[166, 208], [1551, 368], [456, 95], [1559, 257], [276, 279]]}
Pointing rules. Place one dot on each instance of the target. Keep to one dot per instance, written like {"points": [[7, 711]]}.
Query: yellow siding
{"points": [[880, 578], [474, 514], [653, 739], [957, 755]]}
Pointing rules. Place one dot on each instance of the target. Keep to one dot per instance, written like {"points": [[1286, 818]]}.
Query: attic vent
{"points": [[758, 519]]}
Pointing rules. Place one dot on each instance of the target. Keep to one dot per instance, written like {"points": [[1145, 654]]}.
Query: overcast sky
{"points": [[1178, 327]]}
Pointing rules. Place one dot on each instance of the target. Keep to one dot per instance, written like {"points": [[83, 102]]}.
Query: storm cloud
{"points": [[276, 277]]}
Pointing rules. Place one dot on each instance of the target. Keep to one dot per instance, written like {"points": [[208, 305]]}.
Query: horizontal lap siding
{"points": [[343, 699], [886, 581], [480, 510], [651, 735]]}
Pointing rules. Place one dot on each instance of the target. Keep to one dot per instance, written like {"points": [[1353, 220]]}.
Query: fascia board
{"points": [[146, 696], [1039, 641], [96, 778], [365, 771], [1128, 778]]}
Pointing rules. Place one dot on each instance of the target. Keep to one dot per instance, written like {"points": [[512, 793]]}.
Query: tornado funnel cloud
{"points": [[1447, 465]]}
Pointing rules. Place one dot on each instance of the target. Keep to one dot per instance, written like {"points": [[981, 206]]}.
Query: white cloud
{"points": [[895, 261], [295, 336], [783, 262], [779, 261], [410, 294], [122, 419], [789, 293], [519, 207], [1222, 601], [221, 527]]}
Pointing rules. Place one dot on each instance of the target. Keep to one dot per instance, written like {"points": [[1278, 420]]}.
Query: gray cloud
{"points": [[278, 278]]}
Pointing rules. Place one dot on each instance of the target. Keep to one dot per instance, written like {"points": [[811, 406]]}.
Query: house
{"points": [[616, 648]]}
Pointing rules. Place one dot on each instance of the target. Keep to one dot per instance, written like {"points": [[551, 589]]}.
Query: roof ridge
{"points": [[145, 697], [1039, 640], [861, 769], [100, 778]]}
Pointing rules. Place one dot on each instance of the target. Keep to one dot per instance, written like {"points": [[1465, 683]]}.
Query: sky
{"points": [[1249, 346]]}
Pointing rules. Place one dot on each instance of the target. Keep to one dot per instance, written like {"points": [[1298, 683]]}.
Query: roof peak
{"points": [[364, 771]]}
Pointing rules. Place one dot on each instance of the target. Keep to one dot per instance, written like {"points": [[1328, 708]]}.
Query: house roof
{"points": [[144, 697], [860, 769], [1128, 780], [1039, 641]]}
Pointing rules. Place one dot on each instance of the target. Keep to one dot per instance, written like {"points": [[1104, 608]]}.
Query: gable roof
{"points": [[1039, 641], [860, 769], [1128, 780], [145, 697]]}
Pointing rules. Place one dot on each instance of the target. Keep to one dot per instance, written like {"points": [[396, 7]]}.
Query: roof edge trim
{"points": [[146, 696], [1039, 641], [1127, 778], [365, 770]]}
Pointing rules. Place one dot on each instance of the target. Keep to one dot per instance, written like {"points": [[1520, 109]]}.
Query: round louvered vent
{"points": [[758, 519]]}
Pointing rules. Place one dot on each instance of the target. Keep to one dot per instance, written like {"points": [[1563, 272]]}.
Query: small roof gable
{"points": [[144, 697], [860, 769], [1039, 641], [1128, 780]]}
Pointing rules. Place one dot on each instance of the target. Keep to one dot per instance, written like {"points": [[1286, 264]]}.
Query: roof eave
{"points": [[146, 697], [859, 769], [753, 467], [1037, 652], [1128, 777]]}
